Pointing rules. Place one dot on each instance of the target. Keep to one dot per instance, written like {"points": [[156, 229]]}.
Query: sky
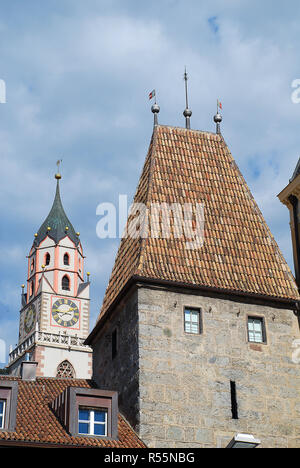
{"points": [[77, 77]]}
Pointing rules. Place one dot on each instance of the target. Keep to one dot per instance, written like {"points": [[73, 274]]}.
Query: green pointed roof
{"points": [[56, 222]]}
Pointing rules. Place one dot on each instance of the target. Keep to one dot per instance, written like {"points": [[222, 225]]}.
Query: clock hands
{"points": [[65, 313]]}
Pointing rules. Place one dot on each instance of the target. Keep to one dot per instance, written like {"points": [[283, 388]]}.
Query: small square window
{"points": [[192, 321], [256, 330], [2, 413], [92, 421]]}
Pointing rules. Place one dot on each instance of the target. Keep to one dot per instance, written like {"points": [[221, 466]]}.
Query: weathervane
{"points": [[155, 108], [187, 112]]}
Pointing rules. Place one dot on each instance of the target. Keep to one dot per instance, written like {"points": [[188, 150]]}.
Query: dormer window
{"points": [[47, 259], [88, 412], [65, 283], [66, 259]]}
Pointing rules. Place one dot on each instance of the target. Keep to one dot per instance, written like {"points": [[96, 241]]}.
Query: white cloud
{"points": [[77, 79]]}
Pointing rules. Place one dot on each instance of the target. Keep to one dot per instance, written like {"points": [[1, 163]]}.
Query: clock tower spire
{"points": [[54, 315]]}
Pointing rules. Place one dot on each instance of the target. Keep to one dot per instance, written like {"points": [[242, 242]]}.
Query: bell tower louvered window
{"points": [[65, 283]]}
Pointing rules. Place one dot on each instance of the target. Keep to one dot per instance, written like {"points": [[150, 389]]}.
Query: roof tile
{"points": [[36, 423], [239, 252]]}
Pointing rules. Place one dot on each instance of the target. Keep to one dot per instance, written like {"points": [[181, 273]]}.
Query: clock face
{"points": [[29, 320], [65, 312]]}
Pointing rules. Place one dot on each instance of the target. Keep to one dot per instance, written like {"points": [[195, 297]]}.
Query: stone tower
{"points": [[198, 322], [54, 315]]}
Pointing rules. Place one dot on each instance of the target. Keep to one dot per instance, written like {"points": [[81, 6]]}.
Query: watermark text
{"points": [[155, 220]]}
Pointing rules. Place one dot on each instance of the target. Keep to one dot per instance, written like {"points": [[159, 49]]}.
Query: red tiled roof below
{"points": [[37, 424]]}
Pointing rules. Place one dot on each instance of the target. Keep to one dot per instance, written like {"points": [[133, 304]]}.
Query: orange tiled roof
{"points": [[37, 424], [239, 252]]}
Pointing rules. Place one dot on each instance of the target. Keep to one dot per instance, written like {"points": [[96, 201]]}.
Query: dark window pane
{"points": [[100, 416], [84, 415], [66, 283], [114, 344], [99, 429], [66, 259], [83, 428]]}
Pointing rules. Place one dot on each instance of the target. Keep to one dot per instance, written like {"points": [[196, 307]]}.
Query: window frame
{"points": [[66, 256], [47, 259], [92, 422], [263, 329], [2, 415], [66, 407], [199, 321]]}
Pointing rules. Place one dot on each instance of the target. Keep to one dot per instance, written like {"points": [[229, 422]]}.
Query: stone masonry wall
{"points": [[120, 373], [175, 388], [185, 398]]}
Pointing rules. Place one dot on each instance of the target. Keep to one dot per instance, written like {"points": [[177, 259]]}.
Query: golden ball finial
{"points": [[78, 234], [67, 228], [48, 228], [43, 266], [22, 286], [35, 235], [57, 176]]}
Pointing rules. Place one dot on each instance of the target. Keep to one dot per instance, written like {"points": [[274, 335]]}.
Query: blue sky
{"points": [[78, 75]]}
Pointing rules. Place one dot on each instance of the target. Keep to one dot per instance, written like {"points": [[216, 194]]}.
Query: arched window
{"points": [[65, 370], [31, 288], [32, 265], [66, 259], [65, 283], [47, 259]]}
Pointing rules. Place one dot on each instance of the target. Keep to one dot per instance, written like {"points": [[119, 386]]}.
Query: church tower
{"points": [[54, 315]]}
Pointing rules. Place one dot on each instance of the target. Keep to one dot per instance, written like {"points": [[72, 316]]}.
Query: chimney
{"points": [[28, 368]]}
